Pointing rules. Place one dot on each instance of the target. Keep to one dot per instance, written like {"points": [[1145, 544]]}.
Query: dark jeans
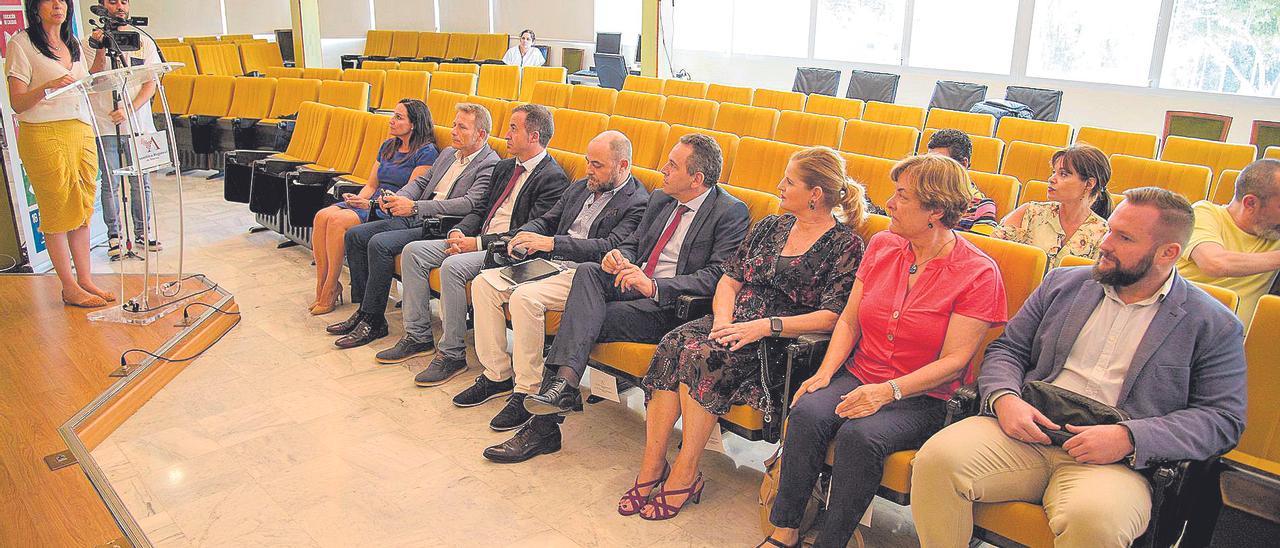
{"points": [[371, 255], [861, 447]]}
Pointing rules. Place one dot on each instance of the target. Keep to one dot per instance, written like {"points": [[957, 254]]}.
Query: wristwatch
{"points": [[414, 212], [897, 392], [775, 326]]}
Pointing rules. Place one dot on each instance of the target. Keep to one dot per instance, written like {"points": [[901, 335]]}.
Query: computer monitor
{"points": [[639, 47], [609, 42], [284, 39]]}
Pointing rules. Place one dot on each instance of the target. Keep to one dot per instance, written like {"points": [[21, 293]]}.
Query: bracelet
{"points": [[897, 393]]}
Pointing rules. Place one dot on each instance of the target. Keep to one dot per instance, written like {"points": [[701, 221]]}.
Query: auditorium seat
{"points": [[1002, 189], [1027, 161], [575, 128], [219, 59], [889, 113], [746, 121], [647, 106], [1113, 141], [986, 151], [1260, 444], [199, 39], [721, 93], [342, 141], [433, 45], [251, 99], [642, 84], [345, 94], [377, 43], [282, 72], [456, 82], [380, 65], [1272, 152], [177, 91], [806, 129], [551, 94], [849, 109], [421, 66], [499, 115], [688, 111], [403, 84], [684, 88], [593, 99], [442, 105], [1038, 191], [778, 100], [443, 134], [375, 133], [650, 178], [760, 164], [491, 47], [499, 82], [1127, 172], [291, 93], [1214, 155], [1055, 134], [462, 46], [971, 123], [320, 73], [1224, 189], [728, 146], [530, 75], [647, 138], [573, 163], [873, 173], [375, 79], [465, 68], [876, 139], [259, 56], [181, 53], [210, 96]]}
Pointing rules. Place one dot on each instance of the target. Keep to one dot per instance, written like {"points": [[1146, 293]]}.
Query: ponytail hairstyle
{"points": [[35, 31], [822, 167], [1089, 162]]}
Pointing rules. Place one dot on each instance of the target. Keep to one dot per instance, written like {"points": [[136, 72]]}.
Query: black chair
{"points": [[1045, 103], [822, 81], [957, 95], [611, 69], [869, 85]]}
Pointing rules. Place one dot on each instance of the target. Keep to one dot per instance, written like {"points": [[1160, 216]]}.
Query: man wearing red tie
{"points": [[689, 229]]}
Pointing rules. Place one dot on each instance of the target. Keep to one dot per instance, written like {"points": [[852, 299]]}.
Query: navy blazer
{"points": [[1185, 387], [541, 190], [615, 222]]}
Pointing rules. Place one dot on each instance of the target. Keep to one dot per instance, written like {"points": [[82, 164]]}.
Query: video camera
{"points": [[113, 38]]}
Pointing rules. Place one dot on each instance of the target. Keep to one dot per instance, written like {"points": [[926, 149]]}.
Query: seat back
{"points": [[986, 151], [972, 123], [873, 173], [688, 111], [1002, 189], [491, 47], [1114, 141], [1198, 125], [375, 79], [647, 138], [499, 113], [342, 139], [420, 66], [899, 115], [1045, 103], [816, 81], [282, 72], [177, 91], [291, 93], [1218, 157], [218, 59], [259, 56], [443, 106], [684, 88], [1021, 267], [761, 163], [759, 204], [642, 84], [868, 85], [1127, 172], [529, 76], [211, 95], [354, 95], [593, 99], [806, 129], [728, 146], [1224, 189], [321, 73], [1027, 161], [433, 45], [1227, 297], [779, 100], [375, 133], [573, 163], [551, 94], [252, 97], [404, 43], [746, 121], [457, 82], [1034, 131], [465, 68], [849, 109], [575, 128], [377, 43], [650, 178], [181, 53], [875, 139], [957, 95], [1262, 352], [499, 82], [310, 131], [380, 65], [633, 104], [462, 45], [721, 93], [404, 84], [199, 39]]}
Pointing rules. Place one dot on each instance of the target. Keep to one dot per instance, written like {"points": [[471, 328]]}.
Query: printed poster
{"points": [[12, 21]]}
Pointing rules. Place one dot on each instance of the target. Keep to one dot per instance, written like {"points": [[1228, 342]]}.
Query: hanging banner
{"points": [[12, 21]]}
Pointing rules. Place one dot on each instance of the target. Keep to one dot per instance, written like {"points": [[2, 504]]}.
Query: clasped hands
{"points": [[1100, 444], [628, 276]]}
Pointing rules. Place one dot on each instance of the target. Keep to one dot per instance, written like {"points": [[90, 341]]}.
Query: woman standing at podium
{"points": [[56, 143]]}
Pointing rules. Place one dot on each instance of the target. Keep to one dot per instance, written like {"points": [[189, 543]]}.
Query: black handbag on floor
{"points": [[1065, 407]]}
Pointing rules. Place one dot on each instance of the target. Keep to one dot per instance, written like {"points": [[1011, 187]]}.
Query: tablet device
{"points": [[529, 271]]}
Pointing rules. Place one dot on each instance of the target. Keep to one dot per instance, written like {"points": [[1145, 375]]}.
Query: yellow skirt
{"points": [[61, 160]]}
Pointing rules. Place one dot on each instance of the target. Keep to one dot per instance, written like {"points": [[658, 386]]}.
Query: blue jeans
{"points": [[109, 161]]}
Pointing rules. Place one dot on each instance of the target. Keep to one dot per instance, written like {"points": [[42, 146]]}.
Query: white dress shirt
{"points": [[670, 256], [501, 221], [450, 177], [531, 58]]}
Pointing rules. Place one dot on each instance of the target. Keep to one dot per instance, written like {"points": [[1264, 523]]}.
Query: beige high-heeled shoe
{"points": [[325, 308]]}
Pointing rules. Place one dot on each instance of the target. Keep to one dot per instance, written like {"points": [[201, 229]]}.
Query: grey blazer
{"points": [[1185, 387], [467, 191]]}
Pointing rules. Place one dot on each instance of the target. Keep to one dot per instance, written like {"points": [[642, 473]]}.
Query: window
{"points": [[968, 36], [1229, 47], [766, 27], [867, 31], [704, 25], [1093, 40]]}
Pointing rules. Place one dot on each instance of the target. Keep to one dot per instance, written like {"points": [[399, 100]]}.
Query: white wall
{"points": [[344, 18], [404, 14], [468, 15], [572, 20], [173, 18], [257, 16]]}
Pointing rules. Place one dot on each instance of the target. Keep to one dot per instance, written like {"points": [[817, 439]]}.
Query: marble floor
{"points": [[276, 438]]}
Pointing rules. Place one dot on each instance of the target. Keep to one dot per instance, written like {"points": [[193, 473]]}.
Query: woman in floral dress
{"points": [[1074, 220]]}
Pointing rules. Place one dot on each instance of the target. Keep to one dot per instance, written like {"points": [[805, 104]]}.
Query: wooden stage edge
{"points": [[63, 400]]}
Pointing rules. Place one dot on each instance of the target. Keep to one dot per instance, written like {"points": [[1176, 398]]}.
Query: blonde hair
{"points": [[824, 168], [940, 183]]}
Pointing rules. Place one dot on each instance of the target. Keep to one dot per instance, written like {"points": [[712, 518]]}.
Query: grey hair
{"points": [[484, 121]]}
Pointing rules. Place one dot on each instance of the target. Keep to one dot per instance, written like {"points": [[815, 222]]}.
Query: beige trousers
{"points": [[1088, 505], [528, 304]]}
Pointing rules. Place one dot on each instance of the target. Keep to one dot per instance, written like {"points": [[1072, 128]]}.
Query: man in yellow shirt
{"points": [[1237, 246]]}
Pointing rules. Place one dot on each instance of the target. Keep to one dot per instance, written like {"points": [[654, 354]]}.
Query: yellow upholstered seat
{"points": [[1002, 189], [873, 173], [642, 84], [531, 75], [1261, 440], [252, 97], [282, 72], [1038, 191], [465, 68], [972, 123], [291, 93], [1113, 141], [1272, 152], [499, 114], [593, 99], [728, 146], [199, 39], [778, 100], [420, 66], [1127, 172], [573, 163], [746, 121], [877, 139], [310, 132], [404, 44], [342, 140], [1054, 134], [650, 178], [181, 53], [760, 164], [806, 129], [462, 45], [211, 95], [551, 94], [404, 84], [375, 133], [1225, 187], [1227, 297], [177, 91], [321, 73], [986, 151], [1216, 156], [1026, 161], [634, 104], [380, 65], [375, 79], [889, 113], [377, 43], [442, 105], [345, 94], [433, 45], [258, 56], [1021, 522], [688, 111], [721, 93], [499, 82], [218, 59], [491, 47], [647, 138], [759, 204], [457, 82], [684, 88], [575, 128], [849, 109]]}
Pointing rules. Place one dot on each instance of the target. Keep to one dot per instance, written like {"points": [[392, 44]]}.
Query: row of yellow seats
{"points": [[329, 138], [389, 86], [492, 80], [224, 59], [408, 44], [266, 99], [206, 39]]}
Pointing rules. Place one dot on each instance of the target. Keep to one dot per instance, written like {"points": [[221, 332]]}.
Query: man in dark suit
{"points": [[453, 186], [594, 215], [689, 229], [524, 187]]}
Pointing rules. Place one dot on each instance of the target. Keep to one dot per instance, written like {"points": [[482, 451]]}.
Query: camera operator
{"points": [[114, 148]]}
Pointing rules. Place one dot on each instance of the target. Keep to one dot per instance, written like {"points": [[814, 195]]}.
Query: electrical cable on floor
{"points": [[171, 284], [10, 267], [124, 364]]}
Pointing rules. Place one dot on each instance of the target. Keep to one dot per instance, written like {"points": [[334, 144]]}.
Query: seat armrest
{"points": [[963, 404], [276, 166], [246, 157], [692, 307], [315, 177]]}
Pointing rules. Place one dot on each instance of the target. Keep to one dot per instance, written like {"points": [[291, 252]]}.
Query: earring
{"points": [[813, 204], [930, 224]]}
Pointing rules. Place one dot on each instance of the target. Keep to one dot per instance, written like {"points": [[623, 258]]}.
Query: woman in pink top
{"points": [[923, 300]]}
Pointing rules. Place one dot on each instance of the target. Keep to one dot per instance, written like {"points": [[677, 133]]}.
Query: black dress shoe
{"points": [[482, 391], [532, 440], [556, 398], [365, 332], [345, 326], [512, 416]]}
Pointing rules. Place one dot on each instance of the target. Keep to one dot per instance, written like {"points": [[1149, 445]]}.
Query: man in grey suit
{"points": [[453, 186], [1129, 332]]}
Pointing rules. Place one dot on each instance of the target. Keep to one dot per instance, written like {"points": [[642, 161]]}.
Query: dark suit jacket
{"points": [[718, 227], [541, 190], [1185, 387], [615, 222]]}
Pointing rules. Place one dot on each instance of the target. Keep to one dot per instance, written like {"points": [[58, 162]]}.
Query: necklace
{"points": [[915, 267]]}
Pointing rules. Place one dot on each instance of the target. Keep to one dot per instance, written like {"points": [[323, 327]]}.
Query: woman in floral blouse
{"points": [[1074, 221]]}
